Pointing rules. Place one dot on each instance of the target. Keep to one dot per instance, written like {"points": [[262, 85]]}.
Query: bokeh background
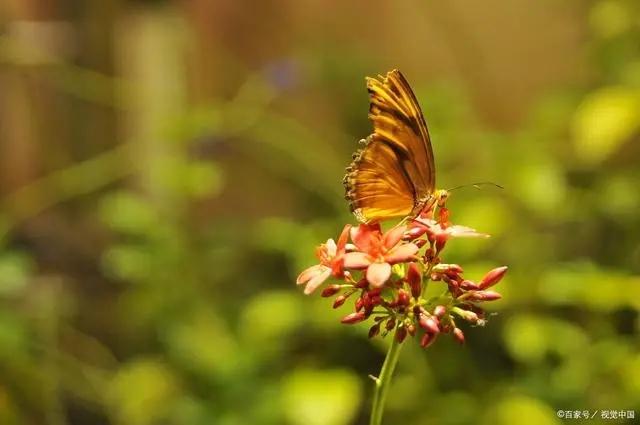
{"points": [[167, 167]]}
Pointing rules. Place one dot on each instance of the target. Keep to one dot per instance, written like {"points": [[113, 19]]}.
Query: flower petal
{"points": [[426, 221], [344, 238], [356, 260], [317, 281], [378, 274], [393, 236], [464, 232], [363, 235], [309, 273], [331, 248], [401, 253]]}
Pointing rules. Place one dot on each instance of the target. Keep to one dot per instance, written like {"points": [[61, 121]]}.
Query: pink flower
{"points": [[377, 252], [331, 257]]}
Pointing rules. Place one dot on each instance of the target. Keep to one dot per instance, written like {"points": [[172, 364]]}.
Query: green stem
{"points": [[383, 382]]}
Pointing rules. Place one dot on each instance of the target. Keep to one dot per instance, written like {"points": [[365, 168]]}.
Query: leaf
{"points": [[321, 397], [141, 392], [522, 410], [604, 121]]}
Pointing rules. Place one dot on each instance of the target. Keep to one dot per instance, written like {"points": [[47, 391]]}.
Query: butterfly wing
{"points": [[394, 174]]}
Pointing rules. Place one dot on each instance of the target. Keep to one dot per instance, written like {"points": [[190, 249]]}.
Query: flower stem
{"points": [[383, 382]]}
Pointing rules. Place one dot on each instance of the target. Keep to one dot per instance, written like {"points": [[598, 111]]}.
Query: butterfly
{"points": [[393, 174]]}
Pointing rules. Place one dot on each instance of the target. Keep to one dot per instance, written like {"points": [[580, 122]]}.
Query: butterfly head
{"points": [[441, 197]]}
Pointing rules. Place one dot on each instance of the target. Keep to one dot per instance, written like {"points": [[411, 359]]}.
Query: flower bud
{"points": [[467, 284], [450, 269], [340, 299], [391, 323], [439, 311], [359, 304], [428, 255], [458, 335], [485, 296], [427, 339], [414, 278], [411, 328], [428, 324], [366, 299], [401, 334], [420, 243], [467, 315], [362, 283], [374, 330], [353, 318], [441, 241], [493, 277], [416, 231], [330, 290], [403, 297]]}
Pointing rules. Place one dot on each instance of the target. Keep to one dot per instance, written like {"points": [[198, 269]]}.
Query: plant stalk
{"points": [[383, 381]]}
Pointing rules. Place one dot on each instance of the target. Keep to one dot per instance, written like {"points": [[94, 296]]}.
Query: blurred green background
{"points": [[167, 167]]}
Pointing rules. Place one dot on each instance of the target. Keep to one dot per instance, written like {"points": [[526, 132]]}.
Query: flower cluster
{"points": [[386, 273]]}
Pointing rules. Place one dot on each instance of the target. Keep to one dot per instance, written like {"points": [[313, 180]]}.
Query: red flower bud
{"points": [[485, 296], [449, 269], [493, 277], [417, 231], [458, 335], [353, 318], [403, 297], [391, 323], [340, 299], [439, 311], [420, 243], [359, 304], [428, 324], [467, 284], [374, 330], [330, 290], [362, 283], [428, 255], [427, 339], [440, 242], [454, 269], [414, 278], [401, 334]]}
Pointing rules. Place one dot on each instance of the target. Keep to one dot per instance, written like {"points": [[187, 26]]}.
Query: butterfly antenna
{"points": [[477, 186]]}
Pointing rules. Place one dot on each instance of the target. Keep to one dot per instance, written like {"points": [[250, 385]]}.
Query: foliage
{"points": [[150, 280]]}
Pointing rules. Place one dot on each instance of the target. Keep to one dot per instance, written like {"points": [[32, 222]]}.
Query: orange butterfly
{"points": [[393, 175]]}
